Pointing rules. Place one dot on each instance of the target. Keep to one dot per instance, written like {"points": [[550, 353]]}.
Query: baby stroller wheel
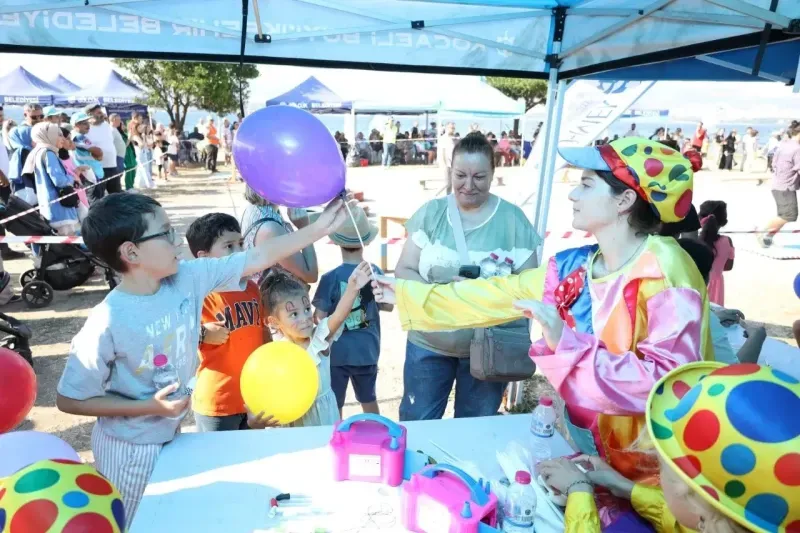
{"points": [[28, 276], [37, 294]]}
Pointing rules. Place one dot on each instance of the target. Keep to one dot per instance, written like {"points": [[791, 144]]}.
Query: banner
{"points": [[590, 107]]}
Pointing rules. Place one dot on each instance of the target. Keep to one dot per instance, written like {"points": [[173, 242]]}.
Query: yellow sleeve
{"points": [[474, 303], [581, 515], [649, 502]]}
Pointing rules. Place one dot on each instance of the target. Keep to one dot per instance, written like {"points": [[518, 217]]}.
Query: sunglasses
{"points": [[171, 236]]}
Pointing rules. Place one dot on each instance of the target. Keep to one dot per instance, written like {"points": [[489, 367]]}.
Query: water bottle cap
{"points": [[509, 261], [522, 477], [547, 401], [494, 256], [160, 360]]}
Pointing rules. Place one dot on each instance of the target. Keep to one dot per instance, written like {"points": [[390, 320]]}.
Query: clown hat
{"points": [[661, 176], [732, 433]]}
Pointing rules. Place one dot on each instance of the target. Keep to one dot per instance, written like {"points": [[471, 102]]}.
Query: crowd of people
{"points": [[426, 146], [654, 274]]}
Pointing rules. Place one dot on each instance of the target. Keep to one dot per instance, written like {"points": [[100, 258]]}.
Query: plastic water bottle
{"points": [[519, 509], [506, 267], [165, 375], [543, 426], [489, 266]]}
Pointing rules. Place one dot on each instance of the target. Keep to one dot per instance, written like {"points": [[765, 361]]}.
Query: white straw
{"points": [[360, 239]]}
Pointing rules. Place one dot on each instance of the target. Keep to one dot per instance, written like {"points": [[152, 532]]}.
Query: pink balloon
{"points": [[289, 157], [19, 449]]}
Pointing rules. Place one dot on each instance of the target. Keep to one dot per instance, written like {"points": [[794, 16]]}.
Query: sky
{"points": [[697, 100]]}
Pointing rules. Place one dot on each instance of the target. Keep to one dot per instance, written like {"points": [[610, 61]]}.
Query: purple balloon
{"points": [[19, 449], [289, 157]]}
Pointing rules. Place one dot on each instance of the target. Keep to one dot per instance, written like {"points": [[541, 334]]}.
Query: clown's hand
{"points": [[383, 289], [547, 316]]}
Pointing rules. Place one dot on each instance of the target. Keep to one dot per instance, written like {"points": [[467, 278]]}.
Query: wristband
{"points": [[576, 483], [203, 331]]}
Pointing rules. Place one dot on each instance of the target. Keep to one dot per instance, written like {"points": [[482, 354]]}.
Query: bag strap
{"points": [[458, 229]]}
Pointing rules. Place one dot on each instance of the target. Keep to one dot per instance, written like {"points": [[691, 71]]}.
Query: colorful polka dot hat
{"points": [[60, 496], [661, 176], [732, 433]]}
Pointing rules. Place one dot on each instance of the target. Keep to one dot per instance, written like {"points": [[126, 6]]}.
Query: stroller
{"points": [[63, 266], [17, 337]]}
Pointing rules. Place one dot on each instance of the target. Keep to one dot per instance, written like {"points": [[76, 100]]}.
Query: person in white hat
{"points": [[354, 356]]}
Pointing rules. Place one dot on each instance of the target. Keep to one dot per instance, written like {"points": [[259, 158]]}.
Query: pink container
{"points": [[446, 499], [369, 447]]}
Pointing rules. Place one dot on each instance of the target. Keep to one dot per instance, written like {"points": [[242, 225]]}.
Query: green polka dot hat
{"points": [[732, 433]]}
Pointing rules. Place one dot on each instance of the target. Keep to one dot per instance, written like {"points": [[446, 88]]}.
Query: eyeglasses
{"points": [[171, 237], [37, 117]]}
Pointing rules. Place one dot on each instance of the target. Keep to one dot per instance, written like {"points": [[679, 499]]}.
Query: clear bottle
{"points": [[165, 375], [489, 266], [543, 426], [506, 267], [519, 509]]}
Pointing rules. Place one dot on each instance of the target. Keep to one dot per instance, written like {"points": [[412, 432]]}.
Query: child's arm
{"points": [[358, 279], [113, 405], [267, 254]]}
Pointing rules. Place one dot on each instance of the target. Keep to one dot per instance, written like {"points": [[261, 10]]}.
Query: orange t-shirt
{"points": [[212, 134], [217, 392]]}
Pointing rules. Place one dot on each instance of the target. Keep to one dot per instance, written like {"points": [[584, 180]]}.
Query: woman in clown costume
{"points": [[728, 441], [616, 316]]}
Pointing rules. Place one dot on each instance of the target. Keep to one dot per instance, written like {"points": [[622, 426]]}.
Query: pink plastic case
{"points": [[369, 447]]}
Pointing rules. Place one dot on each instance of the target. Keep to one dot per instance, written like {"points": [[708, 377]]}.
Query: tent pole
{"points": [[550, 162], [544, 137]]}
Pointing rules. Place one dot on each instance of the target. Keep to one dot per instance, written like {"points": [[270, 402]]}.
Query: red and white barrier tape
{"points": [[53, 239], [38, 207]]}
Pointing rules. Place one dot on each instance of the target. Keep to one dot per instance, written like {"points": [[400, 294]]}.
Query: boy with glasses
{"points": [[148, 326]]}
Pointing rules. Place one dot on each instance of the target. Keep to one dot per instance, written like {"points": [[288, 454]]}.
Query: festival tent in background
{"points": [[555, 40], [20, 87], [113, 88], [314, 96], [63, 84]]}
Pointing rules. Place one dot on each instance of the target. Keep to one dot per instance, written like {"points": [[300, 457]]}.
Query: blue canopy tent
{"points": [[62, 83], [112, 89], [20, 87], [314, 96], [548, 39]]}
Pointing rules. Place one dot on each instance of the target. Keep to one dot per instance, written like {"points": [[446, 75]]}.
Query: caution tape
{"points": [[38, 207]]}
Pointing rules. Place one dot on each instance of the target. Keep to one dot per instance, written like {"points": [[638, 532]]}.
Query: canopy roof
{"points": [[63, 84], [513, 37], [21, 87], [111, 89], [314, 96]]}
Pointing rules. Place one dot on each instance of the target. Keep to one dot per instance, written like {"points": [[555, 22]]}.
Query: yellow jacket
{"points": [[582, 516]]}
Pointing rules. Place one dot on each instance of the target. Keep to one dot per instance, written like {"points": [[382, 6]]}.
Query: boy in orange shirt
{"points": [[233, 325]]}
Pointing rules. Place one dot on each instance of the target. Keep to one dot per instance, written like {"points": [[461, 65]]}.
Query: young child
{"points": [[289, 310], [85, 153], [354, 357], [713, 216], [232, 326], [145, 333]]}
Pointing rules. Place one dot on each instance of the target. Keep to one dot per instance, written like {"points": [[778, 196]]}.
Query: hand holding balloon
{"points": [[334, 214]]}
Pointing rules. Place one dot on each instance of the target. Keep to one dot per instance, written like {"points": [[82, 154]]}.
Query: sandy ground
{"points": [[759, 286]]}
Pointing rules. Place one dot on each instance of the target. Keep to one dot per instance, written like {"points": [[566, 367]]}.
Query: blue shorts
{"points": [[363, 379]]}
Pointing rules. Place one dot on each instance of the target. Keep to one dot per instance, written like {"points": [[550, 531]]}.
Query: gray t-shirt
{"points": [[114, 351]]}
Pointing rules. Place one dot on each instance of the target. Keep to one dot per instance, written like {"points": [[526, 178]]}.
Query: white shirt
{"points": [[101, 136], [119, 142], [174, 144], [631, 133], [4, 166]]}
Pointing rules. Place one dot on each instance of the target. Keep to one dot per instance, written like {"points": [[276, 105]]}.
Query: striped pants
{"points": [[128, 466]]}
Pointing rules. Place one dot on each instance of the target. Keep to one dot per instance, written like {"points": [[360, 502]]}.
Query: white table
{"points": [[222, 482]]}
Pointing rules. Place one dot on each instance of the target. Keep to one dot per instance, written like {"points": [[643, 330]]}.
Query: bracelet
{"points": [[202, 333], [578, 482]]}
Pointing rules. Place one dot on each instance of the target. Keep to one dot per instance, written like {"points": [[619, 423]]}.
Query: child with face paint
{"points": [[288, 306]]}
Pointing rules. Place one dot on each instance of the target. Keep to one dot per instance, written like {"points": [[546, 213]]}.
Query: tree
{"points": [[533, 91], [178, 85]]}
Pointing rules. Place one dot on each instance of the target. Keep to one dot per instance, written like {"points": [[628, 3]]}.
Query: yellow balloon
{"points": [[280, 379], [60, 496]]}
